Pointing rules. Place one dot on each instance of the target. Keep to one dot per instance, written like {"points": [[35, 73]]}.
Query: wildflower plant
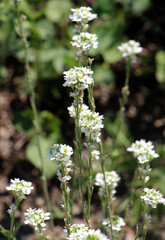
{"points": [[60, 154], [88, 127], [87, 121], [19, 188], [129, 51]]}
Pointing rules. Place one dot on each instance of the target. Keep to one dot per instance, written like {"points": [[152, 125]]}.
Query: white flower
{"points": [[91, 124], [130, 48], [146, 179], [72, 111], [82, 15], [78, 78], [112, 179], [95, 155], [95, 235], [152, 197], [20, 188], [60, 154], [143, 151], [84, 42], [81, 232], [117, 223], [36, 217], [11, 209]]}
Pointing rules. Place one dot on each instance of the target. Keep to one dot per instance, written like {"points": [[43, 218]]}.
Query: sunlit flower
{"points": [[112, 179], [78, 78], [36, 217], [95, 155], [20, 188], [152, 197], [117, 223], [82, 15], [60, 154], [143, 151], [81, 232], [84, 42]]}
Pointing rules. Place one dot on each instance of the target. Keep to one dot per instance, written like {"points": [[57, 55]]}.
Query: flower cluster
{"points": [[152, 197], [143, 151], [81, 232], [112, 179], [60, 154], [117, 223], [84, 42], [72, 110], [90, 123], [130, 49], [95, 155], [20, 188], [82, 16], [78, 78], [36, 217]]}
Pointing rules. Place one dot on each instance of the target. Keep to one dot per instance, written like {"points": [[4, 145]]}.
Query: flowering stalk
{"points": [[20, 189], [129, 51], [60, 154], [125, 93], [34, 108], [12, 228], [106, 188], [79, 79], [79, 160]]}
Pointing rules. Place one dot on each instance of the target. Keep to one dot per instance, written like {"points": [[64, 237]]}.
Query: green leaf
{"points": [[112, 55], [160, 66], [5, 232], [102, 74], [140, 6], [45, 29], [23, 122], [33, 155], [58, 11], [26, 8]]}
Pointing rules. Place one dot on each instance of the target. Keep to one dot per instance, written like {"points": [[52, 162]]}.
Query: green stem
{"points": [[67, 207], [141, 228], [125, 93], [11, 236], [90, 185], [91, 98], [34, 109], [106, 189], [79, 160]]}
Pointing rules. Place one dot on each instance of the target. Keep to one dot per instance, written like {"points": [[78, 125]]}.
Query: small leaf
{"points": [[160, 66], [33, 154], [58, 11], [4, 231]]}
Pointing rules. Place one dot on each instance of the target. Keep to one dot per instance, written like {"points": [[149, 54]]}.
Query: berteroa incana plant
{"points": [[88, 126]]}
